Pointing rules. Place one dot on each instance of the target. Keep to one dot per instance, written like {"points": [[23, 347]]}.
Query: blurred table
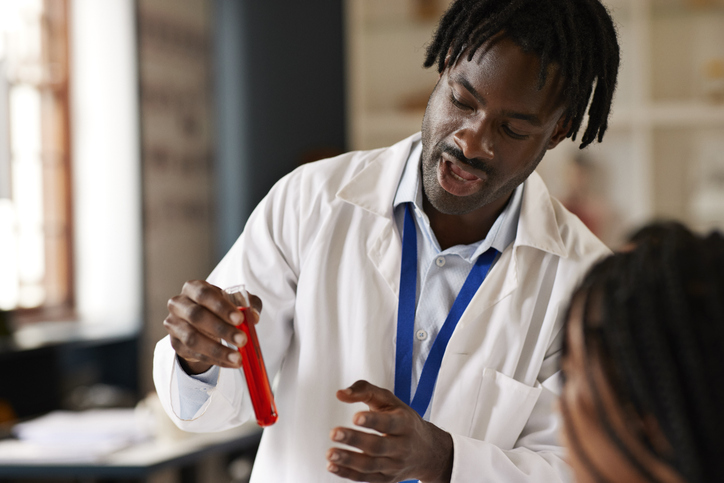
{"points": [[141, 460]]}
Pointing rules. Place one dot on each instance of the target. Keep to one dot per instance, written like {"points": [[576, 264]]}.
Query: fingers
{"points": [[212, 298], [253, 314], [423, 455], [404, 446], [359, 467], [255, 303], [391, 423], [195, 346], [199, 318], [381, 456], [387, 415], [380, 459], [377, 398], [371, 444], [377, 462], [193, 317], [391, 454]]}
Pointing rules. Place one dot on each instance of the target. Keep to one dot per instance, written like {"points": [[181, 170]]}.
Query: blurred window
{"points": [[35, 213]]}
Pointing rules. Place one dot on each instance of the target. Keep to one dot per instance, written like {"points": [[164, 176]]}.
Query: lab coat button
{"points": [[421, 334], [440, 261]]}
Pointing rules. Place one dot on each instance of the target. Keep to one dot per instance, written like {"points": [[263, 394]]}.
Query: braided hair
{"points": [[577, 35], [657, 330]]}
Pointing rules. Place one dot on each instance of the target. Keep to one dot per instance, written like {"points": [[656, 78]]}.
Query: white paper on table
{"points": [[67, 436], [14, 451]]}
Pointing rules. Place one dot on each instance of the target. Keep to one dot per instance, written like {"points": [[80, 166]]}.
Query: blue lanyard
{"points": [[406, 320]]}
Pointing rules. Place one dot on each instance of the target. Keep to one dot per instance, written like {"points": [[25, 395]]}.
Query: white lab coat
{"points": [[323, 252]]}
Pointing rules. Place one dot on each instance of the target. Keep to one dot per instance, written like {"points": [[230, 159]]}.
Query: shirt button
{"points": [[421, 334], [440, 261]]}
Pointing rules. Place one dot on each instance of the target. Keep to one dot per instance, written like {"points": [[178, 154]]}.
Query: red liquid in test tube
{"points": [[257, 380], [256, 377]]}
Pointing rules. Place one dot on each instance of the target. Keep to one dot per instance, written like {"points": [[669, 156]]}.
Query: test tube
{"points": [[252, 362]]}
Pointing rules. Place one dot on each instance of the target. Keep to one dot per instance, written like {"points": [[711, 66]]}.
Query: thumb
{"points": [[255, 302]]}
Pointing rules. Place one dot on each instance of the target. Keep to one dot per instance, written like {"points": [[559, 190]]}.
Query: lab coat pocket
{"points": [[502, 409]]}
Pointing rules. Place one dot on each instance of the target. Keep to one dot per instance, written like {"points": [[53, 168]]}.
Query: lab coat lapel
{"points": [[537, 230], [538, 225], [537, 238], [501, 281], [373, 189]]}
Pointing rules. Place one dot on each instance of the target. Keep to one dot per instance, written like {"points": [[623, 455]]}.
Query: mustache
{"points": [[457, 153]]}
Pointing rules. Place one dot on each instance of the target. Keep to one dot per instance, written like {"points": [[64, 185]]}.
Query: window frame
{"points": [[56, 156]]}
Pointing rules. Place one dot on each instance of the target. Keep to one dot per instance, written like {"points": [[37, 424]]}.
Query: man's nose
{"points": [[475, 139]]}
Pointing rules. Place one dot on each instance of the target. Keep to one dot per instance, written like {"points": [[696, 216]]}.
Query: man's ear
{"points": [[560, 132]]}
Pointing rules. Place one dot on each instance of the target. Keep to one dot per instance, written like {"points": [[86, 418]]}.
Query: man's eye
{"points": [[513, 134], [457, 103]]}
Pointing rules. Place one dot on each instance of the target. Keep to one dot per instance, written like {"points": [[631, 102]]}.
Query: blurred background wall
{"points": [[234, 95]]}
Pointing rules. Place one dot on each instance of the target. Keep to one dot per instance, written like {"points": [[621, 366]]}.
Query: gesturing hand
{"points": [[407, 448]]}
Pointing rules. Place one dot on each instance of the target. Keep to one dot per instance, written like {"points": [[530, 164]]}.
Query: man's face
{"points": [[487, 126]]}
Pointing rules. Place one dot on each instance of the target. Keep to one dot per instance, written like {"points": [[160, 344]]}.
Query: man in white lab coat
{"points": [[417, 290]]}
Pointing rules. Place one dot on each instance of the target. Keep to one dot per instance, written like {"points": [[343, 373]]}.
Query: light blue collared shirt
{"points": [[440, 276], [442, 273]]}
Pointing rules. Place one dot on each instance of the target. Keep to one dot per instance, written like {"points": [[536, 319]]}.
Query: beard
{"points": [[449, 204]]}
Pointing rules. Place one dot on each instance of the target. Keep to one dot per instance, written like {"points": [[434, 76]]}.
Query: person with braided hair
{"points": [[414, 295], [642, 360]]}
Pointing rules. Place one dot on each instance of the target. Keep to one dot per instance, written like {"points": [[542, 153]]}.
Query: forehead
{"points": [[501, 72]]}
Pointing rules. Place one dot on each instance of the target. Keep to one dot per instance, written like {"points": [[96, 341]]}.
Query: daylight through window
{"points": [[35, 225]]}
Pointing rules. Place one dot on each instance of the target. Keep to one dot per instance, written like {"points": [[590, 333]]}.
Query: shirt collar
{"points": [[409, 190]]}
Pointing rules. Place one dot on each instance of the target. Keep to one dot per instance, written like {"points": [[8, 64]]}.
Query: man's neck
{"points": [[451, 230]]}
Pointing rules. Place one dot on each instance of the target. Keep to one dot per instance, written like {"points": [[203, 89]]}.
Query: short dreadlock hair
{"points": [[577, 35], [654, 318]]}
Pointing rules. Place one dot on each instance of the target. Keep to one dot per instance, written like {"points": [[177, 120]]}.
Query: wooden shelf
{"points": [[686, 114]]}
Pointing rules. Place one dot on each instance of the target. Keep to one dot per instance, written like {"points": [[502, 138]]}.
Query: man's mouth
{"points": [[460, 173], [455, 180]]}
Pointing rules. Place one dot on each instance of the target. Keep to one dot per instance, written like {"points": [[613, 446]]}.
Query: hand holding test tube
{"points": [[252, 362]]}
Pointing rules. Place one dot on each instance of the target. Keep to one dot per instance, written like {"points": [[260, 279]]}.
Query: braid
{"points": [[577, 35], [674, 287], [659, 368], [445, 34], [659, 335], [598, 347]]}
